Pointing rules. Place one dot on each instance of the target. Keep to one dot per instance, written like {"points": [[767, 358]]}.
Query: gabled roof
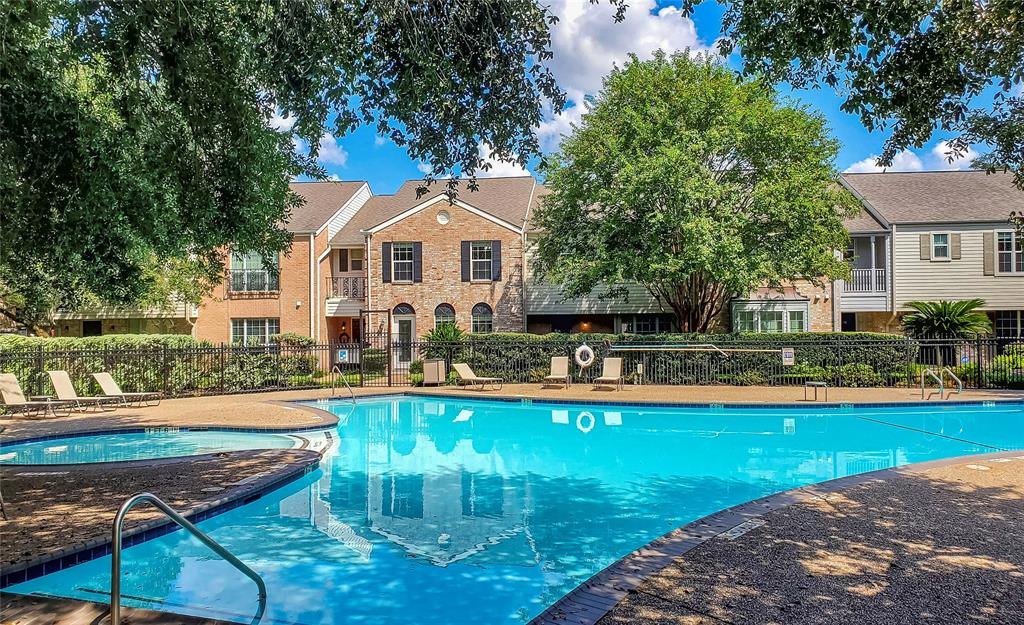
{"points": [[864, 222], [507, 199], [937, 196], [323, 200]]}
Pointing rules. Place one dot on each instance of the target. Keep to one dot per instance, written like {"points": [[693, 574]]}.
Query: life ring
{"points": [[590, 422], [584, 356]]}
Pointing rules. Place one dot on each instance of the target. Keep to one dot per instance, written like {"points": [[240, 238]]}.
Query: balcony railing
{"points": [[250, 280], [867, 281], [347, 287]]}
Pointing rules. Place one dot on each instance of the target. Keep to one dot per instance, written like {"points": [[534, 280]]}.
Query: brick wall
{"points": [[442, 272], [291, 305]]}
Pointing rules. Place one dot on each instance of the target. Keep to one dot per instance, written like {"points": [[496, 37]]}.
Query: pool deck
{"points": [[939, 542]]}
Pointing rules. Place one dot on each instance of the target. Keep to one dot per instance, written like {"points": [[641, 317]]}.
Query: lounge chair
{"points": [[65, 391], [112, 390], [559, 372], [468, 378], [611, 374], [14, 399]]}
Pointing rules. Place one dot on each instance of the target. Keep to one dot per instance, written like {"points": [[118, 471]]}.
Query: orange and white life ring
{"points": [[584, 356]]}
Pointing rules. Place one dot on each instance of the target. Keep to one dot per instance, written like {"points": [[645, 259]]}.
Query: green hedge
{"points": [[11, 342]]}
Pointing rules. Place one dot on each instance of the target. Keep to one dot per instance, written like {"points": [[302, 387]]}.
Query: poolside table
{"points": [[815, 385]]}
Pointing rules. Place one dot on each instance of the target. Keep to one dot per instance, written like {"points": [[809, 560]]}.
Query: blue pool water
{"points": [[154, 444], [448, 511]]}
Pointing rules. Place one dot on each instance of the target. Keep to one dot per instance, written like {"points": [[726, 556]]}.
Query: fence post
{"points": [[981, 363], [40, 365], [223, 366], [166, 371]]}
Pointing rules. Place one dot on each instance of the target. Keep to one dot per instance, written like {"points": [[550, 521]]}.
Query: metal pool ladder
{"points": [[115, 553], [940, 377], [337, 369]]}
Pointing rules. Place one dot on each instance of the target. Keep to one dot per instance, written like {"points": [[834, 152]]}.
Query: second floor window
{"points": [[1011, 253], [480, 260], [355, 259], [250, 273], [940, 246], [401, 262]]}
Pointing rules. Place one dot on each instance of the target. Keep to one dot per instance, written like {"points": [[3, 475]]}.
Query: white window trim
{"points": [[395, 261], [263, 336], [782, 306], [1015, 246], [949, 246], [474, 261]]}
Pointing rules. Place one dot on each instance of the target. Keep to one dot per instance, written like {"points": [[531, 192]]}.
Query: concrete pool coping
{"points": [[596, 598]]}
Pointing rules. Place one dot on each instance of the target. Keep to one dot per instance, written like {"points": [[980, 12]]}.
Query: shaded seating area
{"points": [[14, 401], [65, 391]]}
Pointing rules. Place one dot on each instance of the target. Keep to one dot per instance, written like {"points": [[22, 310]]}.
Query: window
{"points": [[355, 259], [480, 260], [1010, 250], [745, 321], [646, 324], [940, 246], [771, 321], [1009, 324], [401, 262], [444, 313], [250, 273], [483, 319], [796, 321], [254, 331]]}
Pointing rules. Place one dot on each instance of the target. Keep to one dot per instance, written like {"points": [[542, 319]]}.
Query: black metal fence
{"points": [[980, 363]]}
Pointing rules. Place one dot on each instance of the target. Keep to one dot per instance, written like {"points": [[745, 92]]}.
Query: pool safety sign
{"points": [[788, 356], [344, 355]]}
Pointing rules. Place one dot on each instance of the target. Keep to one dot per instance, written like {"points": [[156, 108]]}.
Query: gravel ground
{"points": [[50, 508], [942, 546]]}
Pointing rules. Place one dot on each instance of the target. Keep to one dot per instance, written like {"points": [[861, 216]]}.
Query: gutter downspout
{"points": [[313, 305], [319, 300], [368, 239]]}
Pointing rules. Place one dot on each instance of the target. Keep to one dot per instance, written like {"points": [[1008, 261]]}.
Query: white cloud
{"points": [[551, 130], [330, 152], [424, 168], [281, 124], [379, 140], [940, 157], [498, 168], [904, 161], [907, 160]]}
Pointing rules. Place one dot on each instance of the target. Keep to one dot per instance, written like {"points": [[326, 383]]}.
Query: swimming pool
{"points": [[139, 445], [452, 510]]}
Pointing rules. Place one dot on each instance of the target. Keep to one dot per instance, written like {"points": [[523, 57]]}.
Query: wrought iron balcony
{"points": [[253, 280], [347, 287], [867, 281]]}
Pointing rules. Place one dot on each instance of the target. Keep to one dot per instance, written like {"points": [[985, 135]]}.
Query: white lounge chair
{"points": [[111, 389], [559, 372], [611, 374], [468, 378], [14, 399], [65, 391]]}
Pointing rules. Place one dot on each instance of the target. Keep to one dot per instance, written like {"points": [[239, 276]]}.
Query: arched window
{"points": [[483, 319], [444, 313], [404, 309]]}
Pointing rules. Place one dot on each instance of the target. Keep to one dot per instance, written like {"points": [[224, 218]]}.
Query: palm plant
{"points": [[444, 341], [953, 319]]}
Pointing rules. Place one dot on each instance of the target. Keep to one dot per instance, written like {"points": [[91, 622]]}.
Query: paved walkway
{"points": [[939, 545], [23, 610]]}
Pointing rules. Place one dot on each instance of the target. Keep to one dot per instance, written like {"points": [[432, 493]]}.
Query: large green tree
{"points": [[138, 134], [695, 184], [907, 66]]}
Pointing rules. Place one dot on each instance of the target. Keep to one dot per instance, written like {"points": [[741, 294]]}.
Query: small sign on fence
{"points": [[343, 355], [788, 356], [965, 360]]}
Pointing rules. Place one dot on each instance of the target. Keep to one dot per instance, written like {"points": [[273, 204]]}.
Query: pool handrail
{"points": [[953, 376], [931, 372], [337, 369], [115, 553]]}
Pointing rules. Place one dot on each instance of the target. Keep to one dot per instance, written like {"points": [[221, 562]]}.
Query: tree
{"points": [[694, 184], [910, 67], [135, 134], [952, 319]]}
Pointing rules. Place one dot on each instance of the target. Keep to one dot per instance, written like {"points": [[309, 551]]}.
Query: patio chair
{"points": [[112, 390], [559, 372], [468, 378], [14, 399], [65, 391], [611, 374]]}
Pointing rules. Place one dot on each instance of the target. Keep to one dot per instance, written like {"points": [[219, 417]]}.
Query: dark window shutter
{"points": [[385, 262], [342, 260], [496, 260], [926, 247], [465, 261], [417, 261], [954, 246], [989, 253]]}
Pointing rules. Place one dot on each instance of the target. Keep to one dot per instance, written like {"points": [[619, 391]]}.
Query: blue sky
{"points": [[586, 42]]}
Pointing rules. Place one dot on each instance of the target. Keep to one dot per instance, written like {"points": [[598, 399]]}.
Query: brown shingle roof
{"points": [[507, 199], [323, 199], [939, 196], [864, 222]]}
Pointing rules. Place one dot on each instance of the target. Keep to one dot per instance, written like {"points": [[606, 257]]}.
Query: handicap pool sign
{"points": [[965, 360], [342, 355]]}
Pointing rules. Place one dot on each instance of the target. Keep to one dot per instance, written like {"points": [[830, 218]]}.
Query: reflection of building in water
{"points": [[437, 496]]}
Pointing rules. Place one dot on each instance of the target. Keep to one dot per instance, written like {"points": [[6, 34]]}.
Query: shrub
{"points": [[750, 378], [857, 375], [375, 360]]}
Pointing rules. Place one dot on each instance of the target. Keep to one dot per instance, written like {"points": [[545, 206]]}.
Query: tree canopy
{"points": [[910, 67], [695, 184], [135, 135]]}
